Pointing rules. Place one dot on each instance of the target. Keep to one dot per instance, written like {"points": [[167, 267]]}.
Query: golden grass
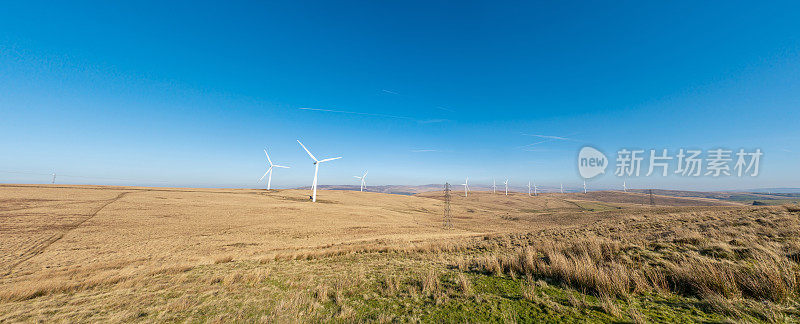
{"points": [[792, 208], [223, 259], [717, 256]]}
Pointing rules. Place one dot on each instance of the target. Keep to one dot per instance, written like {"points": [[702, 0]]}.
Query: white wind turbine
{"points": [[269, 170], [466, 187], [506, 183], [363, 180], [584, 186], [529, 188], [494, 186], [624, 186], [54, 177], [535, 191], [316, 170], [562, 188]]}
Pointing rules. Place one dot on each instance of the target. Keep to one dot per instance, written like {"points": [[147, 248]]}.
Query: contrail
{"points": [[536, 150], [358, 113], [392, 92], [547, 139], [537, 143], [560, 138], [427, 121], [432, 121]]}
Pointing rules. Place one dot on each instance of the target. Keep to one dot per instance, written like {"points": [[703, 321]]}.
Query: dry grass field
{"points": [[122, 254]]}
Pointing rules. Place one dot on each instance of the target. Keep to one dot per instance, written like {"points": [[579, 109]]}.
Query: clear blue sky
{"points": [[188, 94]]}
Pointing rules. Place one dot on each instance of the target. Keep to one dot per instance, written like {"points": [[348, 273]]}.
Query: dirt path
{"points": [[39, 247]]}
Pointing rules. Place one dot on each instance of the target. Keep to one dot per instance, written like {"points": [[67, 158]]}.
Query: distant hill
{"points": [[768, 197], [775, 190], [415, 189], [390, 189], [659, 199]]}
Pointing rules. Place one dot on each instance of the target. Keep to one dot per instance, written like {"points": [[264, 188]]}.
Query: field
{"points": [[121, 254]]}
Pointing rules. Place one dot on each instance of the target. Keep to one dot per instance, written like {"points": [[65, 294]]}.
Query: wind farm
{"points": [[276, 237], [334, 257]]}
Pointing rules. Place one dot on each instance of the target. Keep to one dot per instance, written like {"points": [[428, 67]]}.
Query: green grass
{"points": [[502, 299], [493, 298]]}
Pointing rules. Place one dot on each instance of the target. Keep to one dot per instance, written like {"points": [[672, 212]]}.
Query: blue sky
{"points": [[189, 93]]}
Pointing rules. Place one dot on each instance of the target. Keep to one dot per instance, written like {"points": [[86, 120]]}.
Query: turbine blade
{"points": [[307, 151], [265, 174], [281, 166], [331, 159], [268, 159]]}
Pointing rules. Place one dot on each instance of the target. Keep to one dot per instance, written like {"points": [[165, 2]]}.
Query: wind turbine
{"points": [[535, 191], [316, 170], [269, 170], [494, 186], [529, 188], [624, 186], [54, 177], [506, 183], [466, 187], [562, 188], [363, 181], [584, 186]]}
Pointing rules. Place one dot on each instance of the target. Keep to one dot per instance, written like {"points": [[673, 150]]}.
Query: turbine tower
{"points": [[54, 177], [506, 183], [494, 186], [535, 191], [562, 188], [316, 170], [466, 187], [363, 180], [624, 186], [529, 188], [584, 186], [269, 170]]}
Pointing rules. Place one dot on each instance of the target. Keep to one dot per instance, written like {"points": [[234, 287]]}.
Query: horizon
{"points": [[188, 95], [454, 188]]}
